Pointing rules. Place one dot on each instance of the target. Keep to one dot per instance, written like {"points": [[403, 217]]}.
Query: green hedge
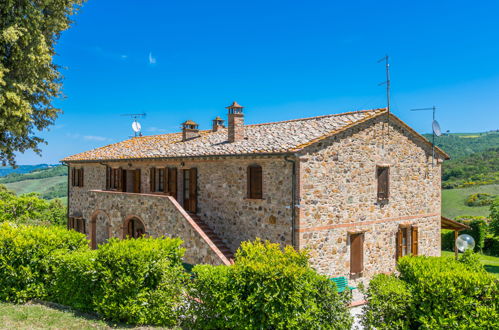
{"points": [[492, 245], [445, 293], [140, 281], [390, 301], [26, 267], [266, 288], [75, 279]]}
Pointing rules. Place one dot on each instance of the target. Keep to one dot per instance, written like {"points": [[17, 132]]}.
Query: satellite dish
{"points": [[136, 126], [436, 128]]}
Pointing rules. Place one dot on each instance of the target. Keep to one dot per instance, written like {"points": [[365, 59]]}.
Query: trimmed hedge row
{"points": [[142, 281], [267, 288], [439, 293]]}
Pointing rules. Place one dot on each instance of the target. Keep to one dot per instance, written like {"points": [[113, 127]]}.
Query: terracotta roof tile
{"points": [[277, 137]]}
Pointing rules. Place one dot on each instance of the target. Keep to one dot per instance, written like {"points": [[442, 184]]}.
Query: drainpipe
{"points": [[293, 198]]}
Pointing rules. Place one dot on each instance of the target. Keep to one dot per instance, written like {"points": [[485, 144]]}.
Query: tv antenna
{"points": [[435, 128], [136, 127], [386, 59]]}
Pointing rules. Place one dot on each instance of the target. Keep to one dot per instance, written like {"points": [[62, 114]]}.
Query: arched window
{"points": [[134, 228], [255, 182]]}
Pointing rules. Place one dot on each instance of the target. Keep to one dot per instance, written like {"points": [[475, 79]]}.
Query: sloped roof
{"points": [[269, 138]]}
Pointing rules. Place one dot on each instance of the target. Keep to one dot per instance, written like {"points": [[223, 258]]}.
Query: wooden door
{"points": [[190, 190], [136, 181]]}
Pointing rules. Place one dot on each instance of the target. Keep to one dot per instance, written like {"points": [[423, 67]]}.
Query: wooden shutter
{"points": [[81, 177], [70, 223], [356, 253], [152, 179], [193, 183], [172, 181], [414, 240], [255, 182], [399, 243], [73, 177], [136, 181], [165, 180], [108, 178], [383, 174], [122, 179]]}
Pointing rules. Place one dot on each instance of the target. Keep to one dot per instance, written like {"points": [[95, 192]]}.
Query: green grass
{"points": [[453, 201], [491, 263], [38, 316], [36, 185]]}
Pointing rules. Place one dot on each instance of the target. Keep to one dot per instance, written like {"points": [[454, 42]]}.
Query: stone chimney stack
{"points": [[190, 130], [236, 122], [218, 123]]}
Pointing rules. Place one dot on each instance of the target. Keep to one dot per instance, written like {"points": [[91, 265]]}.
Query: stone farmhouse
{"points": [[357, 189]]}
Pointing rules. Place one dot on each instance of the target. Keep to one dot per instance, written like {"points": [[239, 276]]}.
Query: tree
{"points": [[29, 80], [494, 217]]}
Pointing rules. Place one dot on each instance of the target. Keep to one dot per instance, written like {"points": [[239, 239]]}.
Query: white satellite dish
{"points": [[436, 128], [136, 126]]}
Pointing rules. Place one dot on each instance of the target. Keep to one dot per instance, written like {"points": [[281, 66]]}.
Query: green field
{"points": [[453, 201], [491, 263], [36, 185]]}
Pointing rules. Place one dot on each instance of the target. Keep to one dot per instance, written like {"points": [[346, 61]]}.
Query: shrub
{"points": [[25, 258], [389, 306], [140, 281], [479, 199], [266, 288], [492, 245], [448, 293], [75, 279], [494, 217], [447, 240]]}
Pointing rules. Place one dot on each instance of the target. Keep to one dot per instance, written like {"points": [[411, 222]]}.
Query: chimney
{"points": [[218, 123], [189, 130], [236, 122]]}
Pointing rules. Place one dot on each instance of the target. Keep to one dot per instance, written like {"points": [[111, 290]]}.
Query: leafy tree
{"points": [[494, 217], [29, 80]]}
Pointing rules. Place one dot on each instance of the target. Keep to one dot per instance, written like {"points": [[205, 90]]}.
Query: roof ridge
{"points": [[317, 117]]}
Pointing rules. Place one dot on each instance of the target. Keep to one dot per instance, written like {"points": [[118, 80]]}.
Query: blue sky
{"points": [[178, 60]]}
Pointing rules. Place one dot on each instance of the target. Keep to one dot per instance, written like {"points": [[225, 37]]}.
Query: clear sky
{"points": [[178, 60]]}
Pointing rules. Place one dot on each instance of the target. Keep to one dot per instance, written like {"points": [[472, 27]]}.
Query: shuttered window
{"points": [[77, 224], [158, 179], [77, 177], [402, 242], [255, 182], [113, 178], [414, 240], [356, 253], [383, 178]]}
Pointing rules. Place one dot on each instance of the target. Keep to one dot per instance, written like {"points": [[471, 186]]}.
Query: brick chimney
{"points": [[218, 123], [236, 122], [190, 130]]}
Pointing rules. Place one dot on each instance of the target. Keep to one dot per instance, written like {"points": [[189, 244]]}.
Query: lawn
{"points": [[36, 316], [491, 263], [453, 201]]}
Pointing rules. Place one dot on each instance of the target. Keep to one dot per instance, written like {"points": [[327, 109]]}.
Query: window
{"points": [[407, 240], [158, 179], [77, 224], [172, 182], [113, 178], [356, 253], [77, 177], [255, 182], [383, 177]]}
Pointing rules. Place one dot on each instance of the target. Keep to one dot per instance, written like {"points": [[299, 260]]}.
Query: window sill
{"points": [[254, 199]]}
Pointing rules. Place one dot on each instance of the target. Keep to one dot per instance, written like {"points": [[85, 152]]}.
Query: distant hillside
{"points": [[459, 145], [6, 170], [49, 182]]}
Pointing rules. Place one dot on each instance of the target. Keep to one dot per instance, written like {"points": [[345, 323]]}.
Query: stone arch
{"points": [[133, 227], [100, 228]]}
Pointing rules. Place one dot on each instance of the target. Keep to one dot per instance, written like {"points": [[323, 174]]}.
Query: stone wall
{"points": [[338, 189], [222, 201]]}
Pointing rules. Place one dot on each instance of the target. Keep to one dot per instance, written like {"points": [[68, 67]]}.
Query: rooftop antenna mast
{"points": [[386, 59], [435, 127], [136, 125]]}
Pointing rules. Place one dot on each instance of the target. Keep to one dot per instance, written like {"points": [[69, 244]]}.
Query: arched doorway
{"points": [[99, 228], [134, 228]]}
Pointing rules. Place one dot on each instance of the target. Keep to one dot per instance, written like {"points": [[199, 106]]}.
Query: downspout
{"points": [[68, 199], [293, 198]]}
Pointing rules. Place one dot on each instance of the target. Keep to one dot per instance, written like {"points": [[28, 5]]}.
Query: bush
{"points": [[491, 245], [447, 240], [140, 281], [75, 279], [494, 217], [26, 269], [389, 305], [266, 288], [480, 199], [448, 293]]}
